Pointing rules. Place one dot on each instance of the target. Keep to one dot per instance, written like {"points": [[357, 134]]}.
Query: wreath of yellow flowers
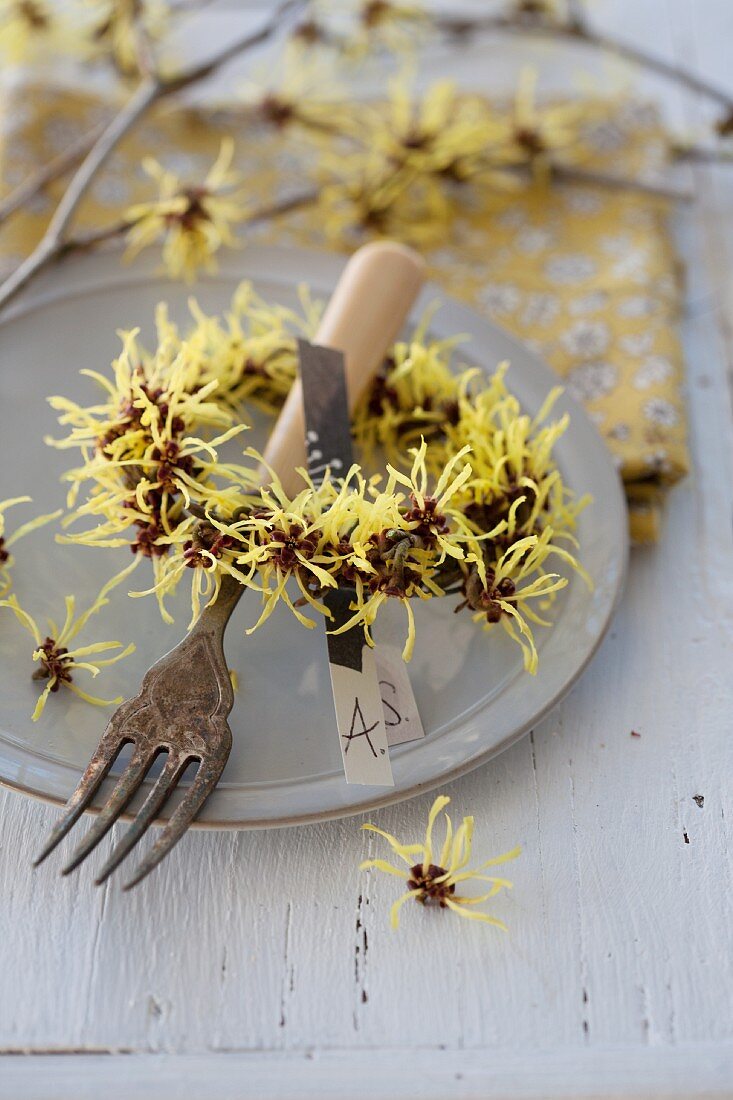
{"points": [[471, 501]]}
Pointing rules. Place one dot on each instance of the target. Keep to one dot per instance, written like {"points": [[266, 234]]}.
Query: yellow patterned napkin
{"points": [[586, 275]]}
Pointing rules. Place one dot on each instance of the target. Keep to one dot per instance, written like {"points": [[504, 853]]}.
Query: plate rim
{"points": [[51, 291]]}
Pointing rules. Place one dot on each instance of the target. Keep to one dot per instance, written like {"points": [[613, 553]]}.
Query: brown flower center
{"points": [[287, 547], [530, 140], [487, 599], [54, 664], [375, 12], [424, 880], [209, 539], [276, 111], [430, 522]]}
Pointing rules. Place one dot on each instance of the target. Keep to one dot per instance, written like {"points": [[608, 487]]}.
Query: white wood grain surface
{"points": [[262, 965]]}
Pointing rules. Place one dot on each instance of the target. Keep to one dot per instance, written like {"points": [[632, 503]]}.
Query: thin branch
{"points": [[84, 242], [149, 91], [284, 206], [582, 34], [53, 170], [699, 154], [568, 174], [238, 46], [144, 49]]}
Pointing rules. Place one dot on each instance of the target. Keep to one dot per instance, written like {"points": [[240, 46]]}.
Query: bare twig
{"points": [[700, 154], [149, 91], [144, 49], [568, 174], [83, 242], [284, 206], [51, 244], [581, 34], [53, 170]]}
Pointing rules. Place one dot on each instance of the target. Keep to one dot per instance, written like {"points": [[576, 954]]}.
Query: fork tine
{"points": [[172, 772], [206, 779], [124, 790], [104, 757]]}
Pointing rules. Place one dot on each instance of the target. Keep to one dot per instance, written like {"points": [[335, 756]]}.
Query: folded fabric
{"points": [[586, 275]]}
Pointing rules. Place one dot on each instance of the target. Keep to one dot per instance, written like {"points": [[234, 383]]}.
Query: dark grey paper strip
{"points": [[354, 680], [326, 404]]}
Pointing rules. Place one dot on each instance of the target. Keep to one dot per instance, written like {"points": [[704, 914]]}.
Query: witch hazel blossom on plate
{"points": [[457, 492], [58, 661]]}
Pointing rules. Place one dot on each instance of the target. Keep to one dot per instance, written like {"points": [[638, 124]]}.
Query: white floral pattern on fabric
{"points": [[621, 432], [653, 371], [583, 202], [593, 302], [661, 411], [634, 265], [586, 339], [500, 298], [570, 268], [533, 240], [540, 309], [591, 381], [637, 343], [638, 305]]}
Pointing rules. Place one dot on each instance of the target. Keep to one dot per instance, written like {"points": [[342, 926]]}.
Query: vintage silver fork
{"points": [[182, 708], [181, 711]]}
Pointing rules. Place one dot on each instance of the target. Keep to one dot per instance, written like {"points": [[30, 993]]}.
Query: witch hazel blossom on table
{"points": [[435, 876]]}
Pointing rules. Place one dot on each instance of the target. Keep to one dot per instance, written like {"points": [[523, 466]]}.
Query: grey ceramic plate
{"points": [[285, 766]]}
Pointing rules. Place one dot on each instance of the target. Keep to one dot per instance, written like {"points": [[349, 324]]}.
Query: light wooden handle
{"points": [[369, 305]]}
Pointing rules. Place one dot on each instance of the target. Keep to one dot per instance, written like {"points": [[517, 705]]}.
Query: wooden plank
{"points": [[702, 1072], [615, 976]]}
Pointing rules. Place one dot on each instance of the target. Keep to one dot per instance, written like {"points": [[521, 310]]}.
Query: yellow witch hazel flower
{"points": [[399, 544], [472, 501], [7, 542], [193, 221], [376, 25], [292, 94], [539, 133], [57, 662], [360, 191], [27, 26], [413, 396], [144, 463], [116, 25], [433, 877], [446, 132], [251, 353]]}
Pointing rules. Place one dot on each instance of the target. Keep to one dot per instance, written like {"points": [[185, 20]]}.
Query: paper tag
{"points": [[357, 699], [401, 716], [356, 696]]}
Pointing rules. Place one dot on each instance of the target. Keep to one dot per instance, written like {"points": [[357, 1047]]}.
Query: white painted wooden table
{"points": [[262, 965]]}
